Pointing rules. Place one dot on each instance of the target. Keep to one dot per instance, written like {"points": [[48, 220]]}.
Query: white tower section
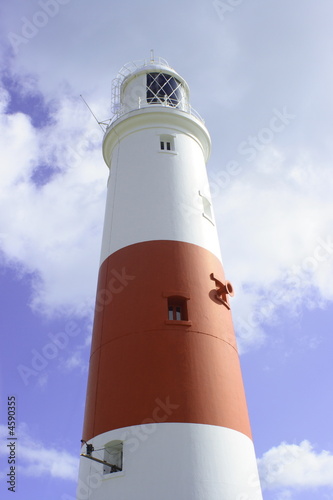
{"points": [[166, 415], [146, 134]]}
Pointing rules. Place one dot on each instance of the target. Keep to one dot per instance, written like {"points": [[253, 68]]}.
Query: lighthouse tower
{"points": [[166, 415]]}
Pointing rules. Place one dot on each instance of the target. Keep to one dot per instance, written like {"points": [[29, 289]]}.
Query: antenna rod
{"points": [[85, 102]]}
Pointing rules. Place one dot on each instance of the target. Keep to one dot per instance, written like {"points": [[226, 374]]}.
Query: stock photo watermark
{"points": [[277, 124], [59, 341], [41, 358], [271, 467], [132, 438], [31, 26], [115, 285], [224, 8], [90, 141], [136, 435], [296, 277], [253, 488], [249, 148], [11, 445]]}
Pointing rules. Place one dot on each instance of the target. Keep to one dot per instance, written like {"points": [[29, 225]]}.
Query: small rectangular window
{"points": [[177, 309], [167, 143], [113, 457]]}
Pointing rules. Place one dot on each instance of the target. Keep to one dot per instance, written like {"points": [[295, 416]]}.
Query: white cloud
{"points": [[53, 230], [4, 99], [42, 380], [275, 221], [298, 467], [75, 361], [37, 460]]}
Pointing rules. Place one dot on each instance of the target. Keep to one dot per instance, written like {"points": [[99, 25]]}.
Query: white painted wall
{"points": [[154, 194], [174, 461]]}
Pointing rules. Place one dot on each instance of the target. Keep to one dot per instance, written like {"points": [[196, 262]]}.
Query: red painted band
{"points": [[145, 368]]}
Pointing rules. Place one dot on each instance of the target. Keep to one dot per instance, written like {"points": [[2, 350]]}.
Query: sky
{"points": [[260, 74]]}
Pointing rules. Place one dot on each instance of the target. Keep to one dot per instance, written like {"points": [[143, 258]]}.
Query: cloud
{"points": [[75, 361], [4, 99], [275, 222], [297, 467], [52, 191], [36, 460]]}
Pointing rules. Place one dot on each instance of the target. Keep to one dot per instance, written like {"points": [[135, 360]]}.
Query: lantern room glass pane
{"points": [[163, 89]]}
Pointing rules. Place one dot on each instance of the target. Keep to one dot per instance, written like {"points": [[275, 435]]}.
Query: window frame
{"points": [[167, 143], [163, 89], [176, 312], [118, 447], [174, 301]]}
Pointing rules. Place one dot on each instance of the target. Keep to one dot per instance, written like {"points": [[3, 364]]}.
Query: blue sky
{"points": [[260, 74]]}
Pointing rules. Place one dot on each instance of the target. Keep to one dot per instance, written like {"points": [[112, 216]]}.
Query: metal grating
{"points": [[164, 89]]}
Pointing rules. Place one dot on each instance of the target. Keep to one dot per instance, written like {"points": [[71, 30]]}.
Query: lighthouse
{"points": [[166, 415]]}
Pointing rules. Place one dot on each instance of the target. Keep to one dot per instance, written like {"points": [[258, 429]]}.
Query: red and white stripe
{"points": [[171, 391]]}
